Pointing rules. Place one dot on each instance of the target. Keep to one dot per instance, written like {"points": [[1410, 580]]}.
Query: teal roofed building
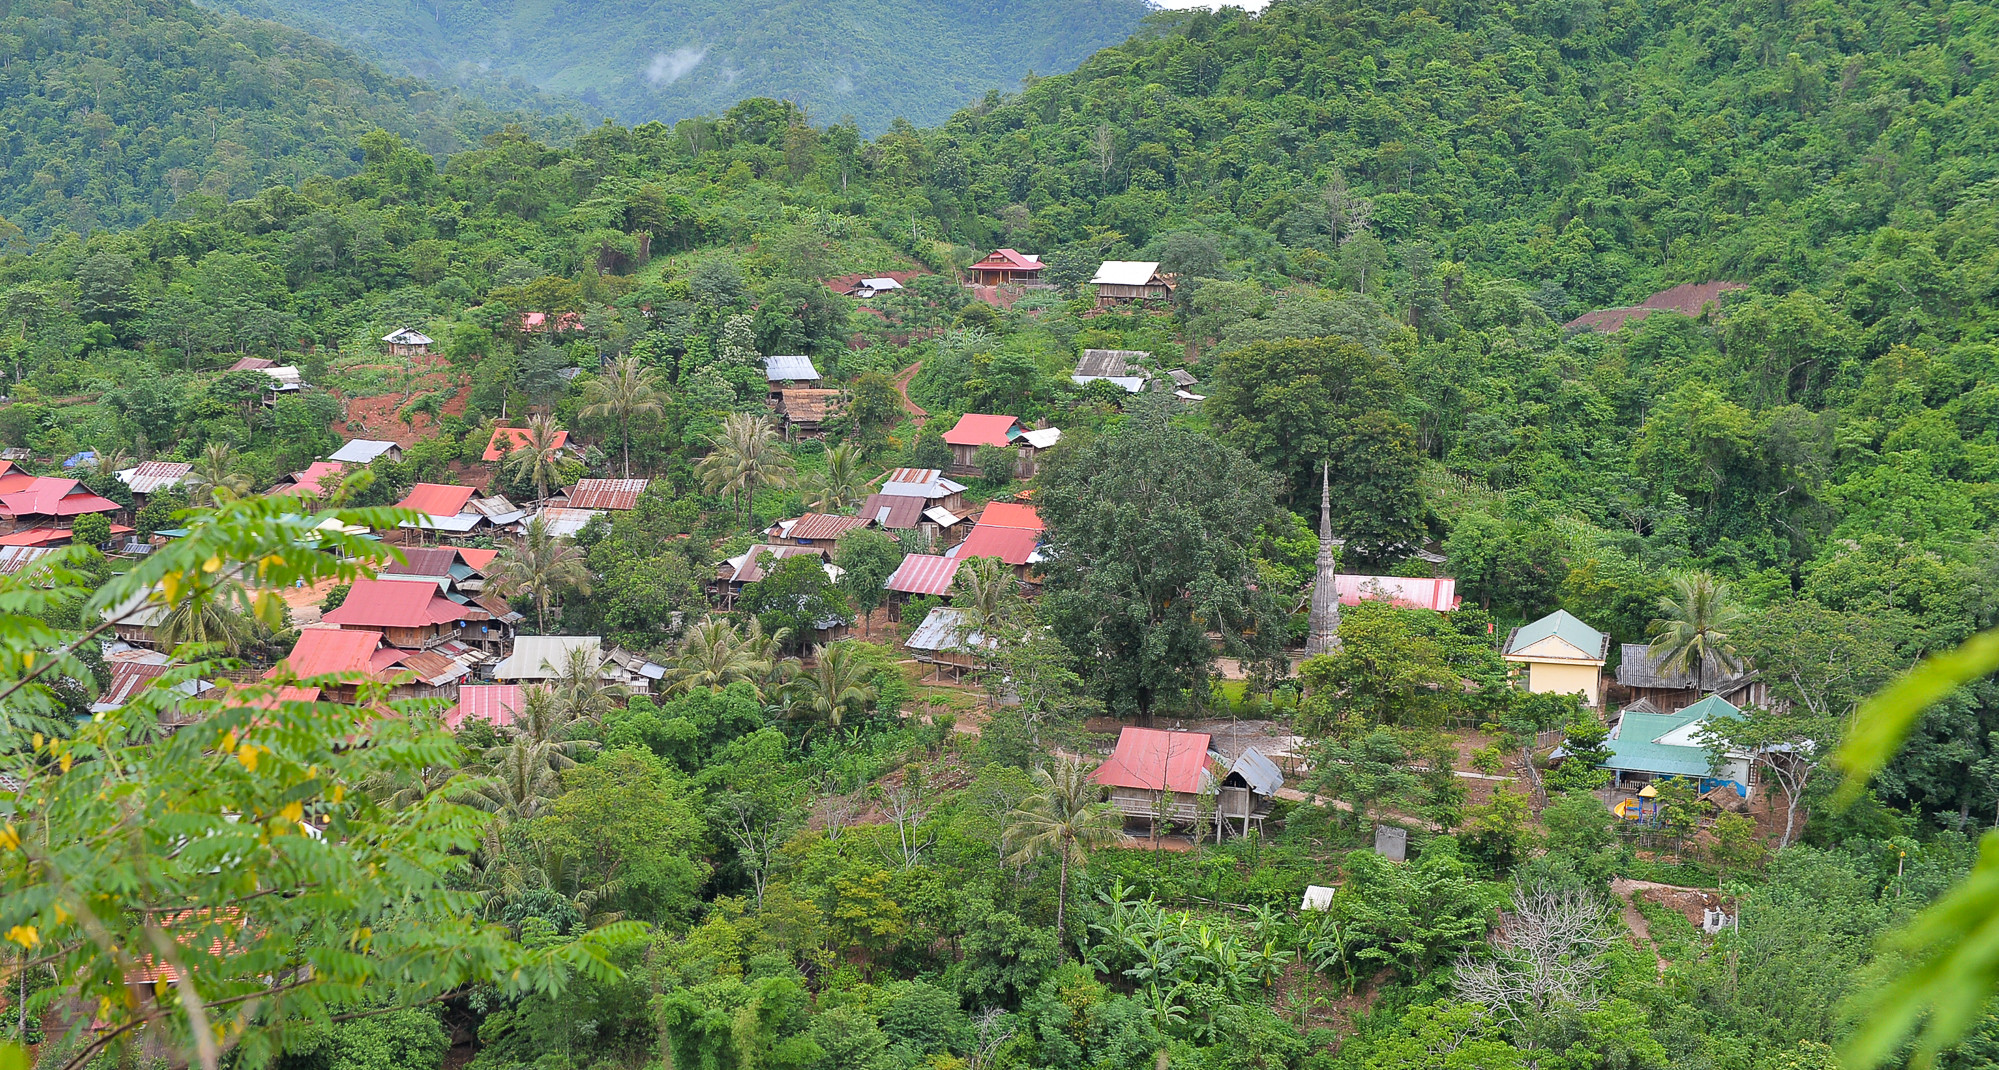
{"points": [[1653, 746], [1559, 654]]}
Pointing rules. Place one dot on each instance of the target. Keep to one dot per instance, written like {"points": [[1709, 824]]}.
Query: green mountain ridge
{"points": [[112, 113], [671, 59]]}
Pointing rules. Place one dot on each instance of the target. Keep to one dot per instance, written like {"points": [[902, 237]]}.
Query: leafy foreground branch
{"points": [[231, 881]]}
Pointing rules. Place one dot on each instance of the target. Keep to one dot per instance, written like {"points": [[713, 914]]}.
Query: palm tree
{"points": [[832, 687], [626, 392], [1695, 627], [206, 617], [988, 596], [766, 652], [581, 692], [841, 485], [541, 566], [1064, 816], [713, 656], [215, 477], [526, 775], [538, 458], [748, 454], [543, 719]]}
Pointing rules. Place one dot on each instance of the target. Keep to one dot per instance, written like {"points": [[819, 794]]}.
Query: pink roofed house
{"points": [[975, 429], [1004, 266]]}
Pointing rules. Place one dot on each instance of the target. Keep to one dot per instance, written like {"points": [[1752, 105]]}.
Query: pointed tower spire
{"points": [[1323, 636]]}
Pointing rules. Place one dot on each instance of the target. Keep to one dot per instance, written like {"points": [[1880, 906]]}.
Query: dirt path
{"points": [[902, 379], [1624, 888]]}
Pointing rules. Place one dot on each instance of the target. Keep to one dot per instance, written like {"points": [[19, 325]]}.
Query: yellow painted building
{"points": [[1559, 654]]}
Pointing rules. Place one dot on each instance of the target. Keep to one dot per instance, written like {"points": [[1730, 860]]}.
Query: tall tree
{"points": [[832, 687], [840, 485], [1695, 628], [1064, 817], [215, 477], [867, 559], [625, 393], [712, 656], [748, 454], [1152, 538], [541, 566]]}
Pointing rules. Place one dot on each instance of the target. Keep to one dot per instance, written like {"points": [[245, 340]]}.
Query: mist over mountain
{"points": [[638, 60]]}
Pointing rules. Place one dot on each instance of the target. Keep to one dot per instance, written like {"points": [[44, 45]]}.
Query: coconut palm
{"points": [[581, 692], [748, 454], [833, 687], [526, 776], [543, 719], [713, 655], [541, 566], [624, 393], [207, 617], [766, 651], [1696, 624], [538, 458], [215, 477], [1065, 816], [841, 486], [988, 596]]}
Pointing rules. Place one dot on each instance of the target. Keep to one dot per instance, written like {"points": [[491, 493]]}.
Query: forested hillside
{"points": [[874, 60], [113, 112], [807, 841]]}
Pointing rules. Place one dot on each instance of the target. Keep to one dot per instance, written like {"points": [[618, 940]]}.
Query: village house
{"points": [[405, 342], [411, 612], [815, 529], [787, 371], [917, 576], [318, 481], [1120, 366], [738, 572], [1123, 282], [928, 484], [1163, 777], [48, 505], [544, 323], [562, 522], [909, 512], [363, 451], [1646, 746], [946, 643], [1560, 655], [496, 704], [1006, 267], [543, 658], [974, 430], [1007, 531], [804, 410], [148, 478], [613, 494], [507, 440], [367, 655], [1644, 683]]}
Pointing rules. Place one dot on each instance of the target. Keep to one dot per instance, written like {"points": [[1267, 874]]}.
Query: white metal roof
{"points": [[541, 657], [881, 284], [1132, 384], [796, 369], [361, 451], [1125, 272], [406, 337], [941, 516], [1042, 438]]}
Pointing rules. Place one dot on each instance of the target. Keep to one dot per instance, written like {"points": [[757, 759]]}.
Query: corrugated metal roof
{"points": [[1409, 593], [477, 558], [54, 496], [797, 369], [495, 704], [1257, 771], [924, 574], [607, 493], [896, 512], [436, 499], [944, 630], [541, 657], [1587, 641], [825, 526], [361, 450], [15, 558], [423, 561], [1009, 260], [1152, 759], [913, 475], [1639, 667], [1011, 515], [743, 567], [1041, 437], [981, 429], [149, 476], [404, 336], [565, 523], [252, 364], [1130, 384], [319, 477], [515, 438], [941, 516], [1125, 272], [1015, 546], [1635, 748], [320, 651], [1182, 377], [380, 603], [1109, 362]]}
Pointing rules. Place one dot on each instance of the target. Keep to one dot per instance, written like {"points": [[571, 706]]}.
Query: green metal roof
{"points": [[1563, 626], [1634, 752]]}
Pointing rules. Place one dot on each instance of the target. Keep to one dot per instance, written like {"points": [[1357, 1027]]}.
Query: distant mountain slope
{"points": [[109, 112], [668, 59]]}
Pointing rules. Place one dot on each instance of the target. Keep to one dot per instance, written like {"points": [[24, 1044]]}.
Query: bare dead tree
{"points": [[757, 831], [907, 809], [837, 809], [993, 1028], [1550, 952]]}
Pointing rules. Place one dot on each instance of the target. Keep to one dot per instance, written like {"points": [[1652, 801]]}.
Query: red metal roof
{"points": [[50, 536], [895, 511], [437, 499], [1010, 515], [478, 559], [1006, 260], [516, 438], [423, 561], [54, 496], [329, 650], [253, 364], [606, 493], [128, 678], [13, 479], [1011, 545], [1152, 759], [980, 429], [565, 321], [815, 526], [394, 604], [924, 574], [495, 704], [1410, 593], [319, 477]]}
